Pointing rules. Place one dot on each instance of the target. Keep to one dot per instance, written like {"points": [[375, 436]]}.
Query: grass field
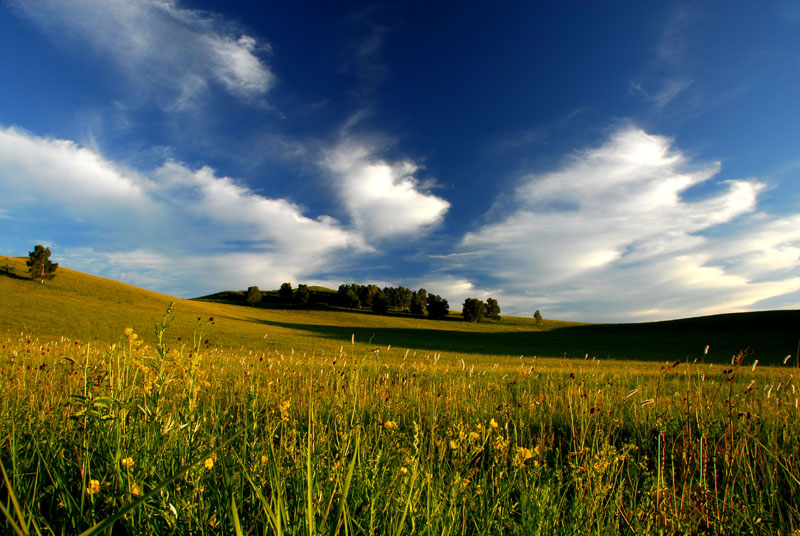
{"points": [[93, 309], [426, 429]]}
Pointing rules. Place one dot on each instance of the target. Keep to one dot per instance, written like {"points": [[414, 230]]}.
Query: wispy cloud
{"points": [[668, 72], [610, 235], [155, 223], [159, 44], [383, 199]]}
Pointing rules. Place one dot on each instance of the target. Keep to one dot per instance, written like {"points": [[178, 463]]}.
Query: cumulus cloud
{"points": [[72, 179], [156, 42], [612, 235], [383, 199], [228, 235]]}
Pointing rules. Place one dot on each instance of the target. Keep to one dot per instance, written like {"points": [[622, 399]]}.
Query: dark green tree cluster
{"points": [[437, 307], [475, 310], [39, 264], [303, 295], [398, 297], [419, 302], [355, 296], [286, 293], [253, 296]]}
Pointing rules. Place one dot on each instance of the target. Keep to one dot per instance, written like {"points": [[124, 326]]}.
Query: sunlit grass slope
{"points": [[91, 308]]}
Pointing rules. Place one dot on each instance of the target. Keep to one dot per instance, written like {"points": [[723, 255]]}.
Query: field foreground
{"points": [[182, 437]]}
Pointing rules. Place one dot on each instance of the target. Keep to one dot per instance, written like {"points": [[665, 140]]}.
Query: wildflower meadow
{"points": [[180, 436]]}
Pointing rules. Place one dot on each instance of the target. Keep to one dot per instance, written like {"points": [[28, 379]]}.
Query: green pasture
{"points": [[95, 309]]}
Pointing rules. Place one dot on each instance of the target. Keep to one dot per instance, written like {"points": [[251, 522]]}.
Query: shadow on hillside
{"points": [[9, 272], [771, 335]]}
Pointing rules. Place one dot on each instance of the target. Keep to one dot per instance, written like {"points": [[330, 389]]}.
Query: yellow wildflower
{"points": [[135, 490], [263, 459], [453, 445], [209, 464], [127, 462], [403, 471], [493, 424], [474, 436], [524, 454], [93, 487], [390, 425], [283, 407], [128, 332]]}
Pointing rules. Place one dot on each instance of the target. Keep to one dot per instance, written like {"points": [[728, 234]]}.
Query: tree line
{"points": [[378, 300]]}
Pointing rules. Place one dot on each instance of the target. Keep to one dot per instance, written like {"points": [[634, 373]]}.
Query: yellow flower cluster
{"points": [[93, 487], [390, 425], [283, 407], [127, 462]]}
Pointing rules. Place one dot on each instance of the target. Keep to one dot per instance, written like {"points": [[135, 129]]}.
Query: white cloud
{"points": [[384, 199], [70, 178], [153, 226], [610, 235], [156, 42]]}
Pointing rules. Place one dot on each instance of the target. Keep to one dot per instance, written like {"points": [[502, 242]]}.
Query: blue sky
{"points": [[625, 162]]}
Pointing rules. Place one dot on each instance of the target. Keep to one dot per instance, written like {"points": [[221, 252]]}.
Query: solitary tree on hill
{"points": [[537, 317], [39, 264], [253, 295]]}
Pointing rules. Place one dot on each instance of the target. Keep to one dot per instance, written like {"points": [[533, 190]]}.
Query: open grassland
{"points": [[93, 309], [235, 420], [185, 438]]}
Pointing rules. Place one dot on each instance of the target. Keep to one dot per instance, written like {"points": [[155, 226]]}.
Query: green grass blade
{"points": [[15, 504], [345, 488], [235, 515]]}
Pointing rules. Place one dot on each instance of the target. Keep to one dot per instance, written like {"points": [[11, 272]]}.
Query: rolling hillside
{"points": [[89, 308]]}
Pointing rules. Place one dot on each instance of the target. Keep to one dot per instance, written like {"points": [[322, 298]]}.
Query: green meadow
{"points": [[123, 414]]}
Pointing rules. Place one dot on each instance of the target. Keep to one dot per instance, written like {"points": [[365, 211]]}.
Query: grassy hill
{"points": [[90, 308]]}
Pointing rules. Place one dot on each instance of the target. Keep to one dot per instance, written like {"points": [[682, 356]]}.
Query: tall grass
{"points": [[182, 437]]}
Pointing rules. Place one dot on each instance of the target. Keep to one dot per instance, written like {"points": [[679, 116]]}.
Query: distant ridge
{"points": [[93, 309]]}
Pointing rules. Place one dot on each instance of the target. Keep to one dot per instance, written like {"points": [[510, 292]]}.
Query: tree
{"points": [[346, 296], [492, 309], [418, 301], [403, 296], [285, 292], [379, 303], [437, 307], [39, 264], [537, 316], [253, 295], [366, 293], [473, 310], [302, 295]]}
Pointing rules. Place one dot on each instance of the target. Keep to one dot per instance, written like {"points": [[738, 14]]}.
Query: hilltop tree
{"points": [[537, 317], [437, 307], [302, 295], [492, 309], [473, 310], [285, 292], [253, 295], [418, 302], [39, 264]]}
